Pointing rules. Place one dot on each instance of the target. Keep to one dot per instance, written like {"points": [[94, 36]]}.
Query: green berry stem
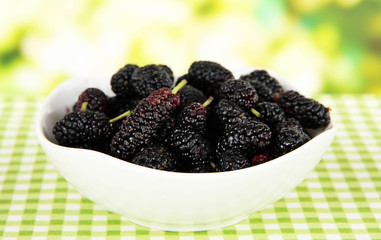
{"points": [[179, 86], [120, 116], [213, 165], [255, 112], [84, 106], [207, 102]]}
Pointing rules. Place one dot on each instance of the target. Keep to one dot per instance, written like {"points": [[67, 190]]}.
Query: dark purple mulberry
{"points": [[270, 113], [156, 157], [141, 126], [208, 76], [193, 117], [168, 71], [245, 137], [166, 128], [190, 147], [240, 92], [262, 76], [150, 78], [96, 100], [289, 123], [228, 113], [120, 81], [288, 139], [265, 94], [310, 113], [189, 94], [83, 129], [232, 160]]}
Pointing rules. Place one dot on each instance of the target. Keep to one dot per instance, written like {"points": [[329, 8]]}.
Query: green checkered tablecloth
{"points": [[340, 199]]}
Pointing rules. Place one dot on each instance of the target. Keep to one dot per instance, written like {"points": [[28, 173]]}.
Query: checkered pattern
{"points": [[340, 199]]}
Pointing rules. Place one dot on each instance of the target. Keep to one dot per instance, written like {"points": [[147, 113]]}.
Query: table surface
{"points": [[340, 199]]}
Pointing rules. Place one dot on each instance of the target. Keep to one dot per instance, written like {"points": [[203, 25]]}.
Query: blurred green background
{"points": [[322, 46]]}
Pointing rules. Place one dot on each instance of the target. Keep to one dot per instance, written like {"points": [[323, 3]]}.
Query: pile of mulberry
{"points": [[210, 121]]}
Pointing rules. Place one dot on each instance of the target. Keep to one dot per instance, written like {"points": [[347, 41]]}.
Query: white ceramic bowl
{"points": [[170, 200]]}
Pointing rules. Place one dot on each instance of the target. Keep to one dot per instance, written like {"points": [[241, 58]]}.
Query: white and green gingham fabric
{"points": [[340, 199]]}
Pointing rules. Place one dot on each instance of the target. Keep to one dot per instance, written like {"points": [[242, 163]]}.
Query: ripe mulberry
{"points": [[189, 94], [120, 81], [168, 70], [265, 94], [190, 147], [310, 113], [262, 76], [141, 126], [228, 113], [193, 116], [240, 92], [270, 113], [156, 157], [96, 100], [288, 123], [245, 137], [232, 160], [208, 76], [82, 129], [150, 78], [288, 139]]}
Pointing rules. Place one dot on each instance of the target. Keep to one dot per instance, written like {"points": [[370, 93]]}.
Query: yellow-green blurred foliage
{"points": [[320, 45]]}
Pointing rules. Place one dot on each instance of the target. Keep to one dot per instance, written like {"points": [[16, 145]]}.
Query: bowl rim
{"points": [[330, 129]]}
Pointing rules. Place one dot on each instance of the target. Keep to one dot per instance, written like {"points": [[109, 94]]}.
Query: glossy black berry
{"points": [[228, 113], [95, 98], [191, 148], [192, 117], [150, 78], [265, 94], [82, 129], [270, 113], [263, 76], [156, 157], [310, 113], [141, 126], [189, 94], [232, 160], [168, 70], [166, 128], [239, 92], [245, 137], [120, 81], [208, 76], [289, 123], [288, 139]]}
